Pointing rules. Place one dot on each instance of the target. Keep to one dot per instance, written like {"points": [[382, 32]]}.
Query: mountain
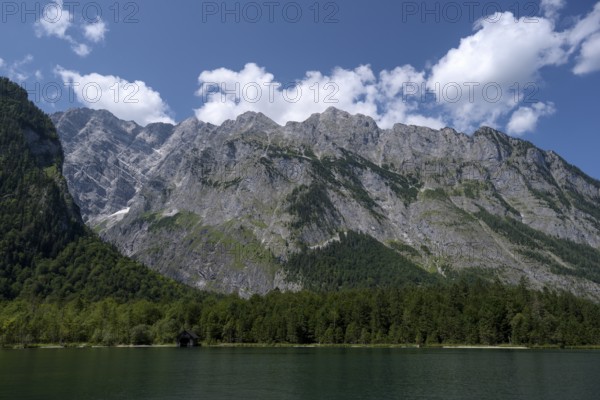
{"points": [[46, 251], [332, 202]]}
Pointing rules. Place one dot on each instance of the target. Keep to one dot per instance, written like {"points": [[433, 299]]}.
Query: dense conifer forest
{"points": [[459, 313]]}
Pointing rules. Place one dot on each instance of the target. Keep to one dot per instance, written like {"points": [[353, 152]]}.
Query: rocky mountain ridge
{"points": [[226, 207]]}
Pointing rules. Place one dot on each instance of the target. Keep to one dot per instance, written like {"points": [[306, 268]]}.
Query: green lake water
{"points": [[298, 373]]}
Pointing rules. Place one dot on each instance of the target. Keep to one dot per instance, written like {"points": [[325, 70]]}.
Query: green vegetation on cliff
{"points": [[46, 252], [355, 261]]}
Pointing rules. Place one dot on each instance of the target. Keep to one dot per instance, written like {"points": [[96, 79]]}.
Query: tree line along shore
{"points": [[462, 313]]}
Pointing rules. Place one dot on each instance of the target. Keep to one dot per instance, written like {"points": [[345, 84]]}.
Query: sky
{"points": [[528, 68]]}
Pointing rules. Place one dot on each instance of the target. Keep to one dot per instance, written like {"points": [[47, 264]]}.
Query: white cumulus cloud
{"points": [[56, 21], [81, 49], [550, 8], [227, 93], [95, 32], [525, 118], [584, 36], [17, 70], [589, 57], [492, 76], [127, 100], [493, 67], [584, 27]]}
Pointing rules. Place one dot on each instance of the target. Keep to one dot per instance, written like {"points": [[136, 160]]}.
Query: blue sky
{"points": [[529, 68]]}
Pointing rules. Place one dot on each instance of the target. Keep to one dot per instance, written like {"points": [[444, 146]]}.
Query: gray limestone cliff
{"points": [[224, 207]]}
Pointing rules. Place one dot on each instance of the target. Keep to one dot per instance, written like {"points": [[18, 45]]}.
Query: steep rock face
{"points": [[224, 207], [46, 251], [112, 156], [38, 217]]}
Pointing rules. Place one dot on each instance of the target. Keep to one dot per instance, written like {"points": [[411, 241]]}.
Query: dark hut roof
{"points": [[189, 333]]}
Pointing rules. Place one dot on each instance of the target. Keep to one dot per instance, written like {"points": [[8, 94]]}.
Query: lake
{"points": [[298, 373]]}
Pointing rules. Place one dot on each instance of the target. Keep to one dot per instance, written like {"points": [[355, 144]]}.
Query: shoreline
{"points": [[485, 347], [54, 346]]}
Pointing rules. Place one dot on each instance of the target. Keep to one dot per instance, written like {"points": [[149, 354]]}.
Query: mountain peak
{"points": [[334, 119], [331, 110], [251, 120], [191, 122], [489, 132]]}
